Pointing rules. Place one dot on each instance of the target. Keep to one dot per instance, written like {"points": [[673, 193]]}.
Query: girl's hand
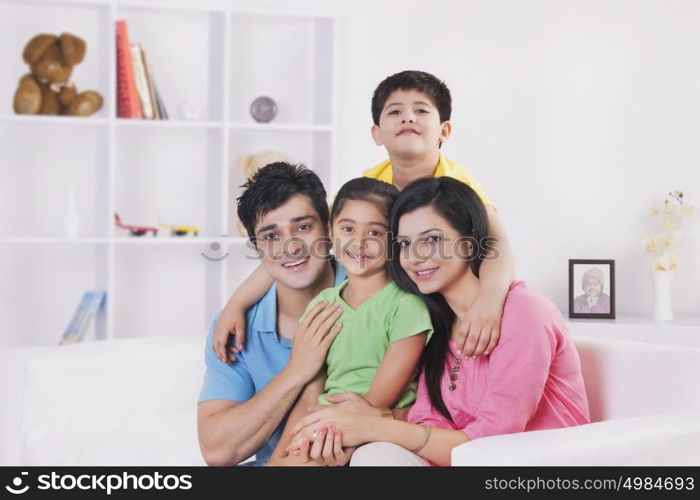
{"points": [[351, 402], [479, 330], [231, 323]]}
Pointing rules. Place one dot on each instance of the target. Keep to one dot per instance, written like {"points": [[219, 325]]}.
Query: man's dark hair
{"points": [[413, 80], [271, 186]]}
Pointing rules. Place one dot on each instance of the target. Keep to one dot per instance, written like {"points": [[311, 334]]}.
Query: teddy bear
{"points": [[47, 89]]}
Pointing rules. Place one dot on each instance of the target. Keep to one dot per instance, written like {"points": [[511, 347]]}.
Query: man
{"points": [[244, 402]]}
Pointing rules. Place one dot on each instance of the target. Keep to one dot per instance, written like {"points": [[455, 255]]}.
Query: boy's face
{"points": [[293, 243], [409, 125]]}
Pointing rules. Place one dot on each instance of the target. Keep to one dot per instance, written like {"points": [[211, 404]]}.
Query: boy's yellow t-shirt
{"points": [[445, 168]]}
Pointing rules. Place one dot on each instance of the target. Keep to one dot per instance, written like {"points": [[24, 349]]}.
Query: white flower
{"points": [[661, 246]]}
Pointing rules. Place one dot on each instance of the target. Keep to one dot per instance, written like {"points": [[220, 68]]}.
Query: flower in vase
{"points": [[662, 246]]}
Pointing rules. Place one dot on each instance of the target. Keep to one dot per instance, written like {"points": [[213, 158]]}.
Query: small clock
{"points": [[263, 109]]}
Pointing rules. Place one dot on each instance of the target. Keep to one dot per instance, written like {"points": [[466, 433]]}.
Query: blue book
{"points": [[70, 335], [93, 307]]}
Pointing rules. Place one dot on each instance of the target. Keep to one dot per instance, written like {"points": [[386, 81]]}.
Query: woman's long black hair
{"points": [[462, 208]]}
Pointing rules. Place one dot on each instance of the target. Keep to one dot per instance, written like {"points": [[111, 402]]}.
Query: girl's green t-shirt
{"points": [[356, 353]]}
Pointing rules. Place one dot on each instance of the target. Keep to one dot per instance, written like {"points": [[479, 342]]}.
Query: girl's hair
{"points": [[374, 191], [462, 208]]}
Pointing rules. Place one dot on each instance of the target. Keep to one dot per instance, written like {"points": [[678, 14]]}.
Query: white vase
{"points": [[663, 306]]}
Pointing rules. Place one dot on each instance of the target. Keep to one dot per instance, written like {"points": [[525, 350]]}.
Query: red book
{"points": [[128, 104]]}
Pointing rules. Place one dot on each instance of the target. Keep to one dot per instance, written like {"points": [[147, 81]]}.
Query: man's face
{"points": [[409, 125], [293, 243]]}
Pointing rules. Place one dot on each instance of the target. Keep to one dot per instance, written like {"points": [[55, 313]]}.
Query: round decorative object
{"points": [[189, 110], [263, 109]]}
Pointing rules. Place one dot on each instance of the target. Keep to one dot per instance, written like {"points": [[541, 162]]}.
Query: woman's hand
{"points": [[348, 401], [327, 450], [479, 330], [352, 426]]}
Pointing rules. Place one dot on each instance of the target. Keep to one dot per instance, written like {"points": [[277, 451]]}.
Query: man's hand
{"points": [[312, 339], [231, 323], [296, 460], [479, 330]]}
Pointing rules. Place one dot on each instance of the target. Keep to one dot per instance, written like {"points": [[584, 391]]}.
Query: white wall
{"points": [[575, 115]]}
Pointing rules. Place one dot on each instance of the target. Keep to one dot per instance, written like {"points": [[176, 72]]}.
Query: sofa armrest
{"points": [[662, 439], [115, 402]]}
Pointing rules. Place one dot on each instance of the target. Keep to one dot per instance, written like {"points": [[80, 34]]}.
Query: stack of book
{"points": [[82, 317], [137, 94]]}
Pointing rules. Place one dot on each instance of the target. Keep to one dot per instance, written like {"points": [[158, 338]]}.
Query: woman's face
{"points": [[432, 252], [360, 238], [592, 287]]}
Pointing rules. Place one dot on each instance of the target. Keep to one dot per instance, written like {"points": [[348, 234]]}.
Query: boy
{"points": [[243, 406], [411, 112]]}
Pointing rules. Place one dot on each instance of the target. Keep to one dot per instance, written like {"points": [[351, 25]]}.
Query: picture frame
{"points": [[592, 288]]}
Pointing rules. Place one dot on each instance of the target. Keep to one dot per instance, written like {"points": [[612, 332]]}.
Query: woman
{"points": [[531, 380]]}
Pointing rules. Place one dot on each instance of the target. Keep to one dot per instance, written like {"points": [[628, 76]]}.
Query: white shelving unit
{"points": [[181, 171]]}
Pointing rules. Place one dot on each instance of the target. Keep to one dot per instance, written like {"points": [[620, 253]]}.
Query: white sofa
{"points": [[133, 402]]}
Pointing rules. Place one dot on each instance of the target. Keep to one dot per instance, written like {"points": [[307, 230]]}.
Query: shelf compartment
{"points": [[41, 163], [277, 56], [24, 21], [42, 286], [195, 38], [160, 290], [168, 175]]}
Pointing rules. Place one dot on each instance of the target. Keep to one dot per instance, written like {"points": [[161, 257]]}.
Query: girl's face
{"points": [[431, 251], [592, 287], [360, 238]]}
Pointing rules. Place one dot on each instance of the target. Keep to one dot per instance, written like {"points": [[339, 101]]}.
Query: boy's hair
{"points": [[374, 191], [272, 186], [413, 80]]}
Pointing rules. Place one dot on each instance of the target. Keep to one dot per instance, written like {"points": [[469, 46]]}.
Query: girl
{"points": [[532, 379], [384, 328]]}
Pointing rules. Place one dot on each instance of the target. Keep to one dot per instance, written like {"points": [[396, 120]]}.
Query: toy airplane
{"points": [[135, 230], [179, 230]]}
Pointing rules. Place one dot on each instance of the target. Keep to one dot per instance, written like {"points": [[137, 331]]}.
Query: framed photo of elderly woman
{"points": [[592, 289]]}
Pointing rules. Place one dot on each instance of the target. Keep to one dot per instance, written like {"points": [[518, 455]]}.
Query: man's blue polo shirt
{"points": [[263, 357]]}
